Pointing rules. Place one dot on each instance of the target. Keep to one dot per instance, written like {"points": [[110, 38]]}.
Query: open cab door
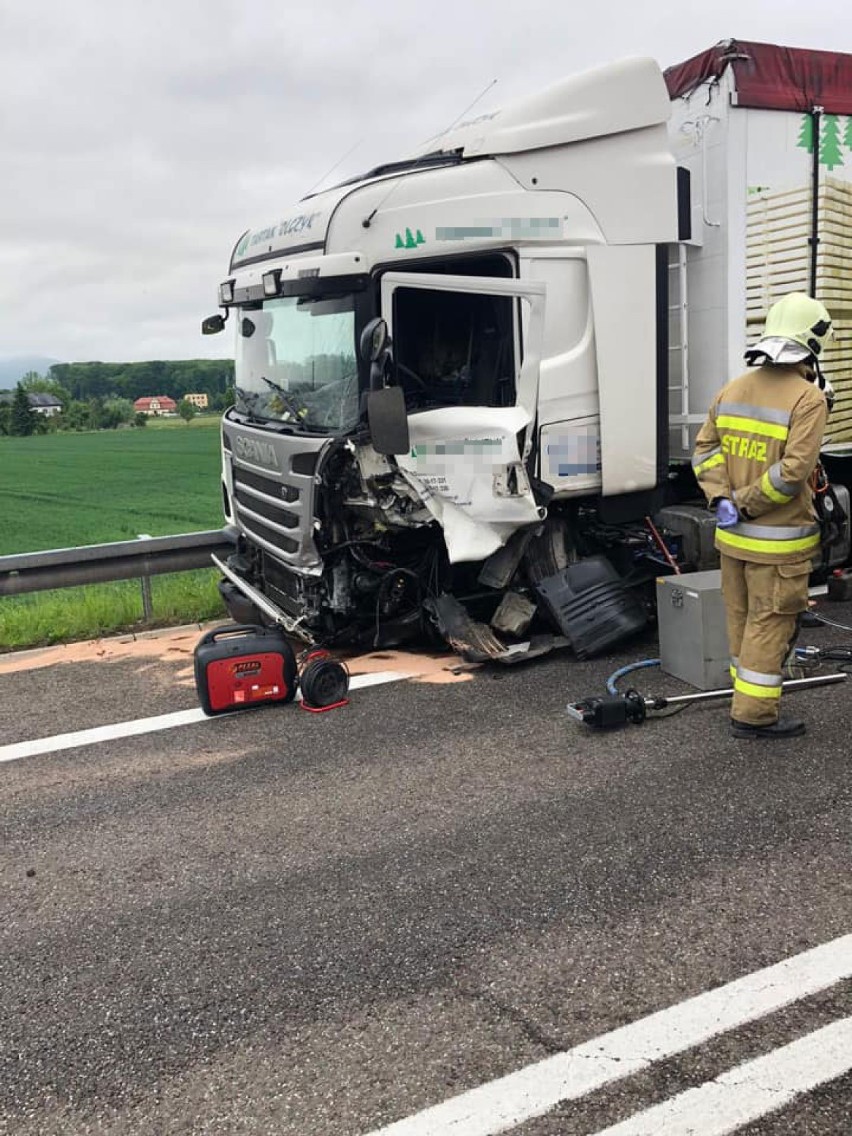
{"points": [[468, 364]]}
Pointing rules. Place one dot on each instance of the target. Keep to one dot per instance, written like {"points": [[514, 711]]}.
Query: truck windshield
{"points": [[296, 362]]}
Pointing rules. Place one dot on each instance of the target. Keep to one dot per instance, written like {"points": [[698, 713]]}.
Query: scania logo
{"points": [[253, 450]]}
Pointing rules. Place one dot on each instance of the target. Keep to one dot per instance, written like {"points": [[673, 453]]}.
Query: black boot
{"points": [[783, 728]]}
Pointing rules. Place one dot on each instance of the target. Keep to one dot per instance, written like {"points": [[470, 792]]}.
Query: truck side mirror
{"points": [[387, 417], [388, 420], [213, 324]]}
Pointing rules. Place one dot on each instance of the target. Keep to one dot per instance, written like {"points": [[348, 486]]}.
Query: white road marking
{"points": [[148, 725], [749, 1091], [534, 1090]]}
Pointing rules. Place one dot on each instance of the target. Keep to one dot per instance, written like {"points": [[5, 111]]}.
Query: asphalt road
{"points": [[284, 923]]}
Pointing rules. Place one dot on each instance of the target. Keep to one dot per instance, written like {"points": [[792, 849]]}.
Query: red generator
{"points": [[240, 666]]}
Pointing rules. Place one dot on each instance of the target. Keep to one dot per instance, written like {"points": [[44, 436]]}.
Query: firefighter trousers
{"points": [[763, 604]]}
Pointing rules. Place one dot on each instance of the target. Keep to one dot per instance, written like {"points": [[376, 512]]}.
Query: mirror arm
{"points": [[377, 371]]}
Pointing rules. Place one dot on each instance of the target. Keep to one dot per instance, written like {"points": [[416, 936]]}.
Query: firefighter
{"points": [[754, 458]]}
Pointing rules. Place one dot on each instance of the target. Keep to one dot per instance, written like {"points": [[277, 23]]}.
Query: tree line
{"points": [[100, 396], [139, 380]]}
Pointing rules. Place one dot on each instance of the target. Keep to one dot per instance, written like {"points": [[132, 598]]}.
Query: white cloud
{"points": [[140, 140]]}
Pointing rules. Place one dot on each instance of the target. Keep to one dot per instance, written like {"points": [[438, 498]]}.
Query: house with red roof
{"points": [[155, 406]]}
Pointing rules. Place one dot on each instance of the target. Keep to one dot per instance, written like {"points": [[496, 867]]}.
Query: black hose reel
{"points": [[323, 681]]}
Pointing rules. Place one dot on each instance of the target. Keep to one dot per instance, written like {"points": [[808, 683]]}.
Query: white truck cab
{"points": [[452, 381]]}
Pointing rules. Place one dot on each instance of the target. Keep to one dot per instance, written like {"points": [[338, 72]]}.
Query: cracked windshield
{"points": [[296, 362]]}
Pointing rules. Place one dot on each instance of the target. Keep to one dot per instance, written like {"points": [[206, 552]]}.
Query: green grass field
{"points": [[65, 490], [43, 618]]}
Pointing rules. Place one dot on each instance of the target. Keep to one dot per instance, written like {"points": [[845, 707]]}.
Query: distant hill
{"points": [[14, 367]]}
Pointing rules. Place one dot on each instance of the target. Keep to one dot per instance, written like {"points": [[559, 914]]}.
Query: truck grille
{"points": [[273, 492], [259, 500], [271, 536], [265, 485], [266, 508]]}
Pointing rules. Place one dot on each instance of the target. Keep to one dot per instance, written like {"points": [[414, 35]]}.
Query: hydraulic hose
{"points": [[622, 671], [831, 622]]}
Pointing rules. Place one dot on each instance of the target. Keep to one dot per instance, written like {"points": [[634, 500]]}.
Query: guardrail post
{"points": [[145, 581]]}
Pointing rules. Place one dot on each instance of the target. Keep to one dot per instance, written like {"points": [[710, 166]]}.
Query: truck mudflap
{"points": [[591, 605]]}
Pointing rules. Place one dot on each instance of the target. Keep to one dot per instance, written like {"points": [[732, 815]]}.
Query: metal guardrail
{"points": [[104, 563]]}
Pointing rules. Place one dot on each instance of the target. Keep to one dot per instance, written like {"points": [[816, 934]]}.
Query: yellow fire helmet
{"points": [[797, 327]]}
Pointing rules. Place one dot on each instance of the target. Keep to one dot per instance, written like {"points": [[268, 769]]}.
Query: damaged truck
{"points": [[468, 381]]}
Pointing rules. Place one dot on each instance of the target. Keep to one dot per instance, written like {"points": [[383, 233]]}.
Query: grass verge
{"points": [[66, 490]]}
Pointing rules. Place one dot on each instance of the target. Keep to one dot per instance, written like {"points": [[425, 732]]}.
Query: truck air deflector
{"points": [[627, 95]]}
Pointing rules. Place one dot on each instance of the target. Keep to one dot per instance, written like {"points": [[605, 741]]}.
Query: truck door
{"points": [[455, 345], [470, 438]]}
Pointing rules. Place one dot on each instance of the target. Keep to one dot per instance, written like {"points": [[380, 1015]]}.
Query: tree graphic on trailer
{"points": [[806, 134], [830, 152]]}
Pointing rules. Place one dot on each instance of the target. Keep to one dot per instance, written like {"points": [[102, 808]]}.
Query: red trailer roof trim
{"points": [[770, 77]]}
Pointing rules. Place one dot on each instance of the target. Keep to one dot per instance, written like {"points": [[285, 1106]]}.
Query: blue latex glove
{"points": [[726, 513]]}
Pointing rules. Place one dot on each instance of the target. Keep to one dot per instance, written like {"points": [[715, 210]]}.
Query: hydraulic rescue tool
{"points": [[607, 711]]}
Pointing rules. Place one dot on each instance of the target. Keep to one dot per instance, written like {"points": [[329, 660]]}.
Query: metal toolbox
{"points": [[692, 629]]}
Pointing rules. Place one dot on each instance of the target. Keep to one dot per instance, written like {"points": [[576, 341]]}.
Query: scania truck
{"points": [[468, 381]]}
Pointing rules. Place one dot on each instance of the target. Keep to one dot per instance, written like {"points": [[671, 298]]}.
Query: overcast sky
{"points": [[139, 139]]}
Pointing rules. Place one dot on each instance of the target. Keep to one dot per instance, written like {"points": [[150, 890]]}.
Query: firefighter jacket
{"points": [[759, 447]]}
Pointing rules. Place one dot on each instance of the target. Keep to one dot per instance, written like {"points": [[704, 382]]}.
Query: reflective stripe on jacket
{"points": [[758, 447]]}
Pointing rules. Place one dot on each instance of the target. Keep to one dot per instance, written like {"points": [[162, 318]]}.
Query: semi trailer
{"points": [[468, 382]]}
